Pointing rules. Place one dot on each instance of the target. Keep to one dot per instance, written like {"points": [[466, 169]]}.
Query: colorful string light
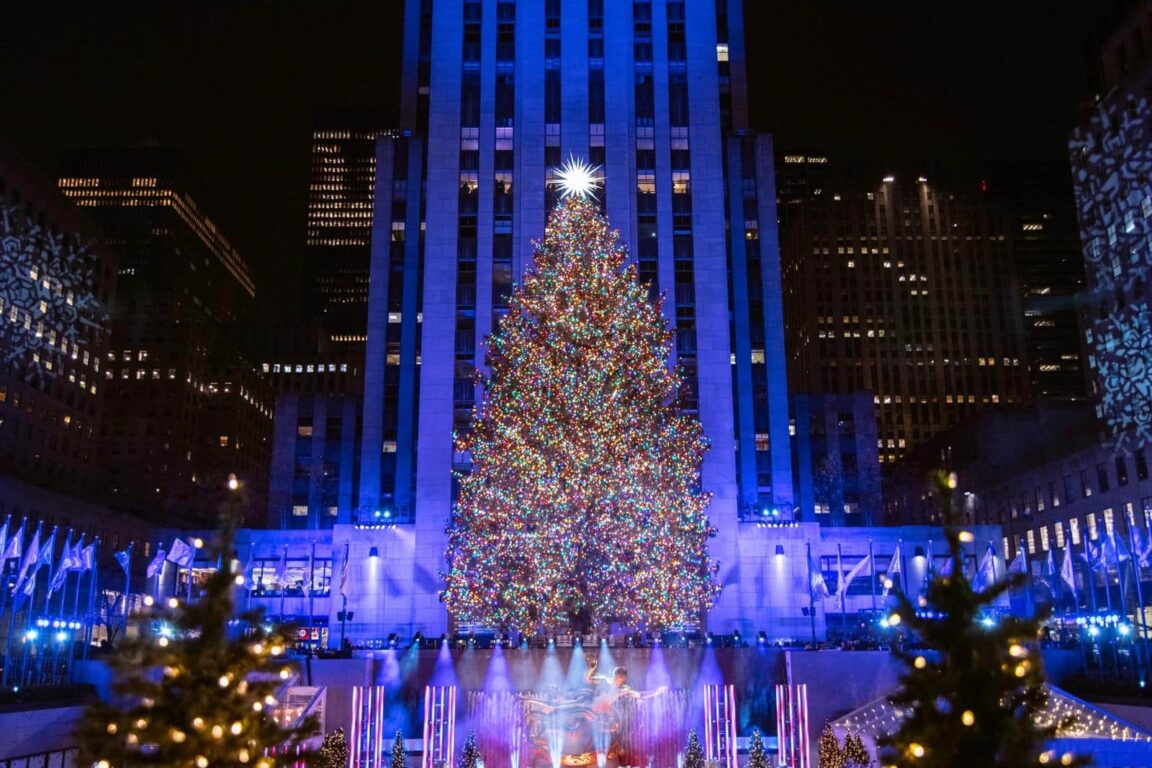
{"points": [[583, 501]]}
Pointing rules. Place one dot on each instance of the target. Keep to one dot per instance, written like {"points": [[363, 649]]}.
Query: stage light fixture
{"points": [[373, 553], [443, 640], [761, 638], [919, 552], [708, 639], [779, 550], [417, 639], [393, 640]]}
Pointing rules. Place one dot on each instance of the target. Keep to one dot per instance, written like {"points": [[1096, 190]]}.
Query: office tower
{"points": [[838, 481], [906, 290], [341, 186], [495, 95], [1036, 198], [184, 407], [57, 281], [1111, 152]]}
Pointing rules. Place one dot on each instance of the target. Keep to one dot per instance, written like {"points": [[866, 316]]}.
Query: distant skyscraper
{"points": [[496, 95], [907, 291], [1111, 152], [1037, 200], [184, 407], [341, 187], [56, 283]]}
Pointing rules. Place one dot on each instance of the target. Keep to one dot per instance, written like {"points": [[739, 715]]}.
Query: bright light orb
{"points": [[578, 178]]}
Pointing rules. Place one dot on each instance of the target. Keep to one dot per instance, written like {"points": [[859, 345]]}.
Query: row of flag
{"points": [[75, 557], [1109, 553]]}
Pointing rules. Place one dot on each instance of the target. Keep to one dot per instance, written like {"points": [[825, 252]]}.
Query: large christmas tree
{"points": [[583, 504]]}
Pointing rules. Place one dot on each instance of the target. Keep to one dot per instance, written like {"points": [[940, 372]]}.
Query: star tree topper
{"points": [[579, 178]]}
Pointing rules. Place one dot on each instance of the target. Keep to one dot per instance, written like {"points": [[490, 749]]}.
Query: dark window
{"points": [[1121, 471], [1141, 465], [1102, 477]]}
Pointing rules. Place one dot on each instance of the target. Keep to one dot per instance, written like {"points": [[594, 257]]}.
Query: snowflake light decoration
{"points": [[1122, 359], [46, 298], [579, 178]]}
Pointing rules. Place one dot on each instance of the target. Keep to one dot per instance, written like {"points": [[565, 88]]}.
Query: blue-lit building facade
{"points": [[495, 95]]}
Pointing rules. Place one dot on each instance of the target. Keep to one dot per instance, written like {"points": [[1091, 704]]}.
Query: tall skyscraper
{"points": [[341, 186], [495, 95], [908, 291], [1111, 152], [1036, 198], [184, 406]]}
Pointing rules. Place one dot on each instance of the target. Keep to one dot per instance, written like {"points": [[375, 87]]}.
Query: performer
{"points": [[615, 705]]}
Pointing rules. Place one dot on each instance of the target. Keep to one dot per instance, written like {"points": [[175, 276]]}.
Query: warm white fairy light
{"points": [[579, 178]]}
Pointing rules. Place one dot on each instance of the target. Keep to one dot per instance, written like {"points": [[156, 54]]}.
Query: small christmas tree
{"points": [[855, 753], [470, 756], [199, 692], [334, 750], [829, 752], [693, 755], [976, 703], [757, 757], [399, 758]]}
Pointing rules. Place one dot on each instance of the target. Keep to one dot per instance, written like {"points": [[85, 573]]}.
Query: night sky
{"points": [[921, 85]]}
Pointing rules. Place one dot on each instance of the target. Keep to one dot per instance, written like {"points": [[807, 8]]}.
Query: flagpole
{"points": [[1090, 578], [4, 563], [311, 599], [811, 599], [840, 589], [1136, 571], [127, 581], [67, 551], [51, 548], [283, 587], [92, 586], [903, 568], [872, 574]]}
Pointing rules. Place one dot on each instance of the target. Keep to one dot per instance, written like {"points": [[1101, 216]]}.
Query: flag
{"points": [[839, 572], [1050, 564], [946, 569], [1066, 571], [281, 577], [157, 565], [4, 537], [62, 568], [48, 551], [817, 587], [78, 554], [14, 545], [308, 576], [894, 563], [88, 557], [344, 571], [857, 569], [986, 572], [1017, 564], [182, 554], [249, 568], [1094, 556], [124, 557], [30, 554]]}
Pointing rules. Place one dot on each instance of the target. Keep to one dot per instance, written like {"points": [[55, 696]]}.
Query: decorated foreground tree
{"points": [[829, 753], [693, 754], [334, 751], [757, 757], [200, 695], [399, 758], [980, 701], [470, 755], [583, 504]]}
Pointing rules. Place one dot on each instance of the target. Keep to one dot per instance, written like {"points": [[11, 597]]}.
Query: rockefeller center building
{"points": [[495, 96]]}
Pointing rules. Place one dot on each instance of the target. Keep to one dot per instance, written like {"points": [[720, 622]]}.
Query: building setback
{"points": [[908, 291], [184, 407]]}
